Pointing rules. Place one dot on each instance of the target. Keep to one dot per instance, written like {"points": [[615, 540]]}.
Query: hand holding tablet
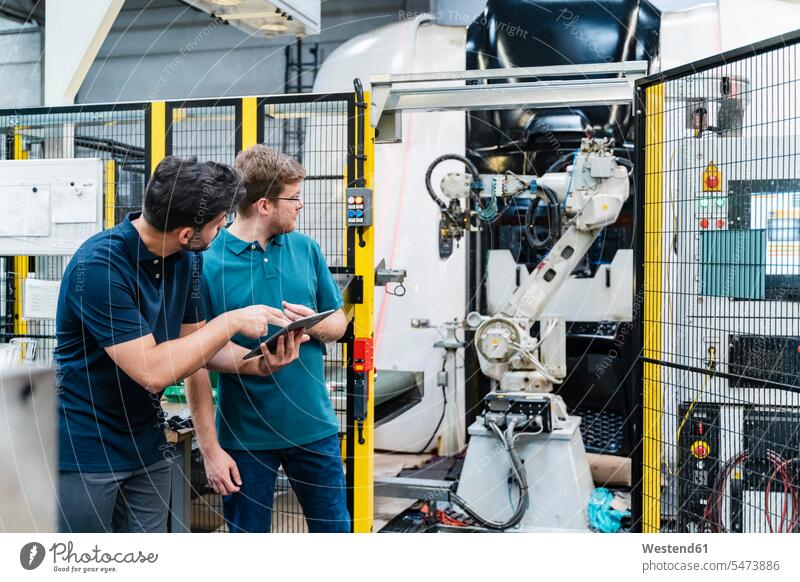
{"points": [[302, 323]]}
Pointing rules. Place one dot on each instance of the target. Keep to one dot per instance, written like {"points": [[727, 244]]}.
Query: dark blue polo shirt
{"points": [[114, 290]]}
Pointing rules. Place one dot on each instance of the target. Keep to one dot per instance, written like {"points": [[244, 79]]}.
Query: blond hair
{"points": [[265, 172]]}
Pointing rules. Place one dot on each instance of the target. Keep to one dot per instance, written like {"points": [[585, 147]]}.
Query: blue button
{"points": [[351, 213], [359, 213]]}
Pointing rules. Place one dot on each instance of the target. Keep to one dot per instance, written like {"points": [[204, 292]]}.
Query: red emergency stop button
{"points": [[703, 223], [712, 180], [700, 449]]}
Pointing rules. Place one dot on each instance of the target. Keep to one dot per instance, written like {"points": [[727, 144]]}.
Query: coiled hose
{"points": [[473, 170], [553, 219]]}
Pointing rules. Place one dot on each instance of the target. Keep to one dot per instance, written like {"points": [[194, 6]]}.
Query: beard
{"points": [[196, 245], [289, 225]]}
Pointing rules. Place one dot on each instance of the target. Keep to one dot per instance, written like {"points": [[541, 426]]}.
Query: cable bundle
{"points": [[780, 469], [713, 515]]}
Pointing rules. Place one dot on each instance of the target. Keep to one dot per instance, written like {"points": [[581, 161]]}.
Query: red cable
{"points": [[766, 496], [779, 465]]}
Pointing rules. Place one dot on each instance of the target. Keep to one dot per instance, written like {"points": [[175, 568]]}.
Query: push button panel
{"points": [[358, 207]]}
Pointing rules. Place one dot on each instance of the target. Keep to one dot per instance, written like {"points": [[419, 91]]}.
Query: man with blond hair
{"points": [[284, 419]]}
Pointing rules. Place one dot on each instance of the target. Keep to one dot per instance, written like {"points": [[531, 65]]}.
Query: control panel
{"points": [[530, 411], [698, 458], [358, 207], [712, 201]]}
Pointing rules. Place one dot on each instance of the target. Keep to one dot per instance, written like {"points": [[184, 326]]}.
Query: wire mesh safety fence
{"points": [[316, 130], [205, 129], [114, 134], [719, 256]]}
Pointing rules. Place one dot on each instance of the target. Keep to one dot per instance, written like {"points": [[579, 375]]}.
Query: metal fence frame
{"points": [[648, 241], [159, 141]]}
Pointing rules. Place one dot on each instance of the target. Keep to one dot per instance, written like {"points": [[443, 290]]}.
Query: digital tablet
{"points": [[303, 322]]}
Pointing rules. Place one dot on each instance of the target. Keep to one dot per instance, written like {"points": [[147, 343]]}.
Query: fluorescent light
{"points": [[274, 27], [245, 15], [227, 2]]}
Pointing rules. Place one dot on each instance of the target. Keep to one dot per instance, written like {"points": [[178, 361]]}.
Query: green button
{"points": [[704, 202], [720, 202]]}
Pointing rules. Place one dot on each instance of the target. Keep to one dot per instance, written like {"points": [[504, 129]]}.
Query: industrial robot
{"points": [[525, 467]]}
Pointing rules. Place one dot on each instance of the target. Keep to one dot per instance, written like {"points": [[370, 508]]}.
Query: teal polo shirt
{"points": [[292, 406]]}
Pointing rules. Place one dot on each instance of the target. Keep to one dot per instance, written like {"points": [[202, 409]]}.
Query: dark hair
{"points": [[265, 172], [184, 192]]}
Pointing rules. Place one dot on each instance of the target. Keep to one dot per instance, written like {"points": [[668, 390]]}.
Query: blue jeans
{"points": [[121, 501], [317, 478]]}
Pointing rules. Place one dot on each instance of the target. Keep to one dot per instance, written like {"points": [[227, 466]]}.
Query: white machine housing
{"points": [[28, 476]]}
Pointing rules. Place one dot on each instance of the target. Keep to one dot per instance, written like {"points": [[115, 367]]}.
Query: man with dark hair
{"points": [[129, 323], [285, 419]]}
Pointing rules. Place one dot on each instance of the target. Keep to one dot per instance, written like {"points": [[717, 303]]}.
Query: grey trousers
{"points": [[121, 501]]}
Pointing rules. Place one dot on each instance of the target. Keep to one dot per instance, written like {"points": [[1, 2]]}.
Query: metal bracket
{"points": [[596, 84], [384, 275]]}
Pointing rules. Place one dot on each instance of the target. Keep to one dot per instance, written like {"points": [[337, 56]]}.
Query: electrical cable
{"points": [[569, 184], [554, 218], [519, 475], [556, 166], [473, 170], [712, 364], [627, 163], [790, 492], [441, 418], [549, 330], [536, 363], [712, 514]]}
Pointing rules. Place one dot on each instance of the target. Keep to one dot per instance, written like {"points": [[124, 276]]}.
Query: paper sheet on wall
{"points": [[74, 200], [25, 209], [40, 298]]}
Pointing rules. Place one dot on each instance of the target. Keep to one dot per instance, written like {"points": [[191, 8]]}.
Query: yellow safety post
{"points": [[249, 122], [111, 194], [20, 263], [19, 152], [20, 274], [653, 257], [158, 133], [363, 448]]}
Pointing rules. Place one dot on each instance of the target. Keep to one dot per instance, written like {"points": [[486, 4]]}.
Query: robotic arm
{"points": [[592, 192], [589, 196]]}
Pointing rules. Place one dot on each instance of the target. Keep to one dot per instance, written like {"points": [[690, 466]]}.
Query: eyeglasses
{"points": [[297, 200]]}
